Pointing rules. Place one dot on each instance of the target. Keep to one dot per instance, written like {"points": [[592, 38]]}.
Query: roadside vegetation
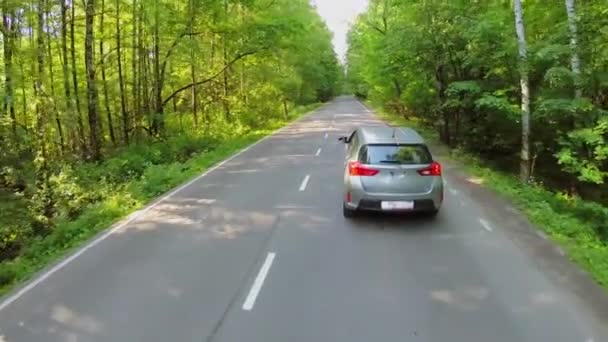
{"points": [[108, 104], [517, 90]]}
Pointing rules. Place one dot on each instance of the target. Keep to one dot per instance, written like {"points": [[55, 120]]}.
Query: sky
{"points": [[339, 14]]}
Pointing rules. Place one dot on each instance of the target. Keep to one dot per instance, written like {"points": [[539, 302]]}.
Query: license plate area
{"points": [[397, 205]]}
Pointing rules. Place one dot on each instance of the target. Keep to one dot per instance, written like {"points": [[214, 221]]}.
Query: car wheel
{"points": [[347, 212]]}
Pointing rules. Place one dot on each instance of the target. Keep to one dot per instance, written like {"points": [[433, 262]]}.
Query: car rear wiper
{"points": [[390, 162]]}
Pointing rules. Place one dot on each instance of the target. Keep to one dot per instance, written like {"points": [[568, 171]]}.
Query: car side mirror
{"points": [[343, 139]]}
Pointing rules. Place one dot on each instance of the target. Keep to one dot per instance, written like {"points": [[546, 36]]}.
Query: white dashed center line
{"points": [[304, 183], [326, 135], [318, 152], [257, 284], [486, 225]]}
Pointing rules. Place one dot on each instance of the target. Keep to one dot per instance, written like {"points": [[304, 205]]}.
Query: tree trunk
{"points": [[193, 93], [525, 91], [397, 88], [158, 122], [225, 74], [145, 88], [43, 205], [144, 68], [52, 83], [9, 35], [69, 104], [225, 83], [441, 86], [83, 143], [121, 82], [26, 123], [575, 61], [103, 76], [92, 94], [136, 65], [285, 110]]}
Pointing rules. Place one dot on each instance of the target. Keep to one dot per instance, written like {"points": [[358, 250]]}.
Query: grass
{"points": [[93, 197], [579, 226]]}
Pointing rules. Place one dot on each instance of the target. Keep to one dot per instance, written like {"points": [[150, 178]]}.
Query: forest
{"points": [[106, 104], [522, 85]]}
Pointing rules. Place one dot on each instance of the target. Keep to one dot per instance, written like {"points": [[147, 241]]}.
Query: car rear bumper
{"points": [[357, 198], [375, 205]]}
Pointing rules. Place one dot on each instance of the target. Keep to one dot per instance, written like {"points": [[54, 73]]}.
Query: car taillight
{"points": [[357, 169], [433, 170]]}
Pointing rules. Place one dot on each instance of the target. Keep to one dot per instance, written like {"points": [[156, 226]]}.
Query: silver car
{"points": [[390, 169]]}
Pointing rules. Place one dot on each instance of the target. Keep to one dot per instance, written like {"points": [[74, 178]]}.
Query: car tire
{"points": [[347, 212]]}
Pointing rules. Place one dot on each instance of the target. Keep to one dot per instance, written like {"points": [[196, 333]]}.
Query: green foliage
{"points": [[463, 88], [71, 195], [584, 152], [559, 77], [455, 67], [158, 178], [497, 104]]}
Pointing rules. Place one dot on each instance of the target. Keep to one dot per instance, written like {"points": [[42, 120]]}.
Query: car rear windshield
{"points": [[395, 154]]}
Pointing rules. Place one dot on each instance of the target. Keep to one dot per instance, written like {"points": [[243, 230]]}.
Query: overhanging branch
{"points": [[214, 76]]}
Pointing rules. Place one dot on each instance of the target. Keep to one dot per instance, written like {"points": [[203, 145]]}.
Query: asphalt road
{"points": [[257, 250]]}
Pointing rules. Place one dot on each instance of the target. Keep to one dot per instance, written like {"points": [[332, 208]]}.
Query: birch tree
{"points": [[524, 172], [575, 62]]}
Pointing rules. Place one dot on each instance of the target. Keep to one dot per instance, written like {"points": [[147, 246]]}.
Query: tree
{"points": [[525, 91], [92, 94], [575, 61], [9, 33], [42, 203], [81, 129], [103, 75]]}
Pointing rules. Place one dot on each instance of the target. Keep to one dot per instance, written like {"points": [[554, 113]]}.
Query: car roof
{"points": [[389, 135]]}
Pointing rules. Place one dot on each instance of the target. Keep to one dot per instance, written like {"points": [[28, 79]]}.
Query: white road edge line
{"points": [[131, 218], [364, 107], [304, 183], [259, 281], [541, 235], [453, 191], [486, 225], [318, 152]]}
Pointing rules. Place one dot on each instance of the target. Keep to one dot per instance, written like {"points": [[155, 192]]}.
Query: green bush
{"points": [[11, 241], [182, 148], [71, 196], [7, 275], [159, 178], [126, 166]]}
